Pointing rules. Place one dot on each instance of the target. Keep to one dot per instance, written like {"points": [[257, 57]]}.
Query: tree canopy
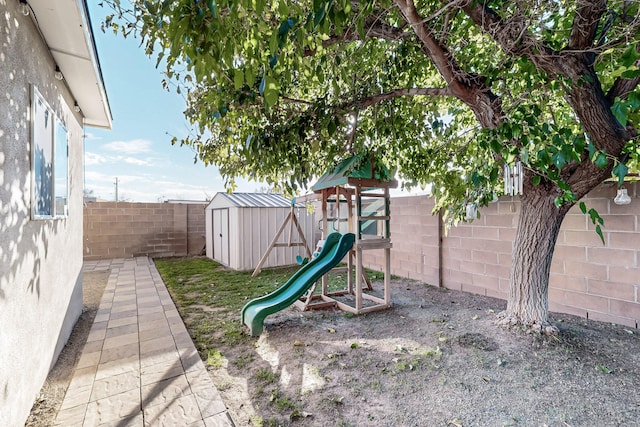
{"points": [[446, 92], [443, 91]]}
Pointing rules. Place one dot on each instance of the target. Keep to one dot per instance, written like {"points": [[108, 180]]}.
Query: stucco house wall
{"points": [[40, 260]]}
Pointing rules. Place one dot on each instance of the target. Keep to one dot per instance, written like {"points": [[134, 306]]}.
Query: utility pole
{"points": [[116, 188]]}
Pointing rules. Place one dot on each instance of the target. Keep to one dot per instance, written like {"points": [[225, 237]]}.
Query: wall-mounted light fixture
{"points": [[622, 198], [24, 7], [76, 107], [58, 74]]}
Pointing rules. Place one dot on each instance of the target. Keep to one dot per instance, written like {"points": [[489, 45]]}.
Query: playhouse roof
{"points": [[345, 172]]}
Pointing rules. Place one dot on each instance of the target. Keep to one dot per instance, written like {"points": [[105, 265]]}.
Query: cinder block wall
{"points": [[124, 230], [196, 237], [588, 278], [415, 237]]}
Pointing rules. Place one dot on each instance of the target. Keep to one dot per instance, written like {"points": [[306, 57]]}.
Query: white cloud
{"points": [[95, 159], [91, 159], [135, 146], [97, 176], [135, 161]]}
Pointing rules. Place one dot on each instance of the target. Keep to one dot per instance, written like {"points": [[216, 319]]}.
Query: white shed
{"points": [[240, 227]]}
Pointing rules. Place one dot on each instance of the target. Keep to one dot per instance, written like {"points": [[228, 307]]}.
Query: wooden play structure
{"points": [[354, 198], [292, 220]]}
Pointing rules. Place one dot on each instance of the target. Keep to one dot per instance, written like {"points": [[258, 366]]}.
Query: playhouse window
{"points": [[49, 160]]}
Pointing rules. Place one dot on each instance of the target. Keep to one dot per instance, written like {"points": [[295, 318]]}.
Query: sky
{"points": [[137, 150]]}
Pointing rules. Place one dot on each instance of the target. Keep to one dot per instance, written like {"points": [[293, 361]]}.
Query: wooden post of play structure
{"points": [[292, 220]]}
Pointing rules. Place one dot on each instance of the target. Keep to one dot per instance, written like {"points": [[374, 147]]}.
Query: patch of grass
{"points": [[243, 360], [375, 385], [604, 369], [215, 359], [282, 403], [266, 376], [197, 282]]}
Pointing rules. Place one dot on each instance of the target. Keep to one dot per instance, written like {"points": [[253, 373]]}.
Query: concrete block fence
{"points": [[588, 278], [125, 230]]}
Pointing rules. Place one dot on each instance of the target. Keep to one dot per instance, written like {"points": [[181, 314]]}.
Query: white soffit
{"points": [[66, 29]]}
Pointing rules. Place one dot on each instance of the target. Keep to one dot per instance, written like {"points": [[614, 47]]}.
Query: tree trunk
{"points": [[536, 235]]}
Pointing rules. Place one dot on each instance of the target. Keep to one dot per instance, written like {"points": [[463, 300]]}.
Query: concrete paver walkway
{"points": [[139, 366]]}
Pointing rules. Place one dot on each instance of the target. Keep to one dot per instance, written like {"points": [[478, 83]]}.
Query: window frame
{"points": [[49, 156]]}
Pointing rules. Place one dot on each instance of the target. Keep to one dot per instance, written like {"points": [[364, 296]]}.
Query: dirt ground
{"points": [[46, 406], [436, 358]]}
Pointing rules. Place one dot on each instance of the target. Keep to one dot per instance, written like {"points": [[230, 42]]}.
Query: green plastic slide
{"points": [[335, 248]]}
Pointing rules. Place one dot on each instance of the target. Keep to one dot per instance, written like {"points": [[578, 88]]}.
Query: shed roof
{"points": [[354, 167], [251, 200]]}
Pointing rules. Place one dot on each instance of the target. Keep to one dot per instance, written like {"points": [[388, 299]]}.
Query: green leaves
{"points": [[620, 170], [269, 89], [596, 219], [273, 89]]}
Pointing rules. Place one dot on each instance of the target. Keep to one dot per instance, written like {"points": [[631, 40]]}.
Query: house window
{"points": [[49, 160]]}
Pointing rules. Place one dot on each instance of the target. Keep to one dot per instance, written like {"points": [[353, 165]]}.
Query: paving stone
{"points": [[121, 330], [162, 392], [156, 344], [101, 317], [115, 384], [150, 298], [82, 377], [99, 326], [179, 412], [162, 331], [131, 320], [120, 340], [121, 352], [209, 401], [190, 359], [145, 326], [161, 371], [75, 396], [70, 417], [134, 421], [123, 405], [117, 367], [159, 356], [219, 420], [123, 314], [97, 335], [88, 359], [143, 311], [129, 297], [149, 317]]}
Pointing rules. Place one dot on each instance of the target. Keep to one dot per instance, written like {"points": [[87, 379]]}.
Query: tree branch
{"points": [[430, 46], [622, 87], [376, 99], [585, 23], [374, 29], [467, 87], [513, 37]]}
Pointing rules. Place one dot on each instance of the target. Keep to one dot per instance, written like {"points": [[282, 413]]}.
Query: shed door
{"points": [[221, 235]]}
